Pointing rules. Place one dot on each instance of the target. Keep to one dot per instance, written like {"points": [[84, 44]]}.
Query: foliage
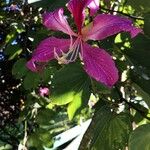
{"points": [[120, 116]]}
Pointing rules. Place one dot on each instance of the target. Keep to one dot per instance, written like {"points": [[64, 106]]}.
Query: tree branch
{"points": [[131, 104], [125, 14]]}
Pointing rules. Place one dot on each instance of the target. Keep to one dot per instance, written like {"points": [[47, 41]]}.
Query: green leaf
{"points": [[38, 36], [12, 49], [31, 81], [107, 131], [34, 142], [45, 137], [19, 69], [10, 37], [44, 116], [80, 100], [70, 83], [140, 5], [141, 82], [139, 53], [100, 88], [139, 138], [143, 94], [50, 4], [147, 24], [47, 73]]}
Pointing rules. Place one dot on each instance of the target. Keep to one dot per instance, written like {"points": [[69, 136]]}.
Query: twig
{"points": [[131, 105], [125, 14]]}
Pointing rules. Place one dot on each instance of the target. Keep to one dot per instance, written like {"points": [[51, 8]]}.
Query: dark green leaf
{"points": [[34, 142], [44, 116], [19, 69], [38, 36], [50, 4], [100, 88], [47, 73], [139, 52], [107, 131], [141, 82], [140, 5], [139, 138], [147, 24], [143, 94], [31, 81], [12, 50]]}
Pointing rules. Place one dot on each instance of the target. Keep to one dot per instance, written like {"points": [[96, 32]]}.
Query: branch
{"points": [[125, 14], [131, 104]]}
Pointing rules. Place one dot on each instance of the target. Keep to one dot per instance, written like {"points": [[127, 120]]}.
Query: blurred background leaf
{"points": [[139, 138]]}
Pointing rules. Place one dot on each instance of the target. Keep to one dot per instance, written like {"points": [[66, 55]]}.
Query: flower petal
{"points": [[56, 21], [94, 6], [45, 51], [99, 65], [76, 7], [105, 25]]}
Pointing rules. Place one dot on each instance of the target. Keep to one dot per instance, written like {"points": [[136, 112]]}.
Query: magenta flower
{"points": [[97, 62], [44, 91]]}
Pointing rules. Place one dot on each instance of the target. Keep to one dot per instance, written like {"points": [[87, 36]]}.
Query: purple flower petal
{"points": [[76, 7], [99, 65], [105, 25], [32, 66], [94, 6], [45, 51], [56, 21]]}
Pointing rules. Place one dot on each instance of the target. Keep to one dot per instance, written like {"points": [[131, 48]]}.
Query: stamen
{"points": [[61, 60], [71, 55], [81, 52], [75, 53], [80, 56]]}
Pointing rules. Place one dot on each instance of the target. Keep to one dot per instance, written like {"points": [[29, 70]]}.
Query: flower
{"points": [[97, 62], [44, 91]]}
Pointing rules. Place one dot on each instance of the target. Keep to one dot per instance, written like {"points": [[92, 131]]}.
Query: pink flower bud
{"points": [[44, 91]]}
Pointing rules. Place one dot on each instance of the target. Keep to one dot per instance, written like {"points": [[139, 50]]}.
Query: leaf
{"points": [[139, 52], [12, 49], [140, 5], [34, 142], [17, 53], [143, 94], [19, 69], [31, 81], [139, 55], [50, 4], [38, 36], [45, 137], [100, 88], [107, 131], [138, 116], [47, 73], [11, 37], [141, 82], [139, 138], [44, 116], [80, 100], [147, 24], [70, 83]]}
